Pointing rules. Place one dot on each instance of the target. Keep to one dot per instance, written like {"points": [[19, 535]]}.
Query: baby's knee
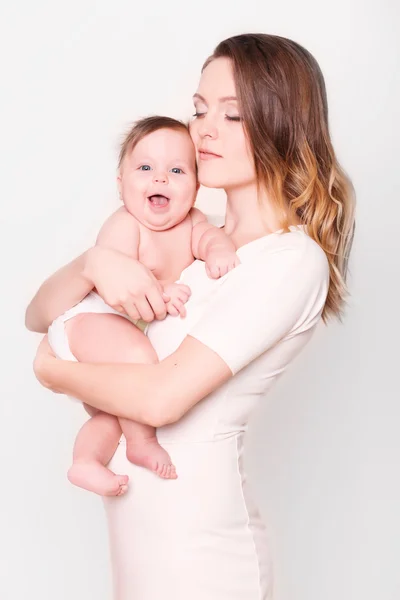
{"points": [[95, 337]]}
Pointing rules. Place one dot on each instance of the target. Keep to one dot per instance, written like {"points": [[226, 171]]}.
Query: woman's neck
{"points": [[249, 215]]}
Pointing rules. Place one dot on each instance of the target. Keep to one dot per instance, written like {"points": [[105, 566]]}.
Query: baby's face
{"points": [[157, 180]]}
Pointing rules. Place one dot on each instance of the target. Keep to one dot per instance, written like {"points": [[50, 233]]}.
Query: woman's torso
{"points": [[200, 537]]}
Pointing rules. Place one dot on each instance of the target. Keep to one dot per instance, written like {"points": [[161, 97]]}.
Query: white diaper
{"points": [[57, 334]]}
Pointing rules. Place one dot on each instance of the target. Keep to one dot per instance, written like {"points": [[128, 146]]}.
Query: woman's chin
{"points": [[212, 182]]}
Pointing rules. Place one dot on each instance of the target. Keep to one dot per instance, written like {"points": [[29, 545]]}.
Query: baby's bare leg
{"points": [[110, 338], [143, 449], [94, 447]]}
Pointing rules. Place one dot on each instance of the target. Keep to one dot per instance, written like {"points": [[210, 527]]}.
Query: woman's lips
{"points": [[207, 155]]}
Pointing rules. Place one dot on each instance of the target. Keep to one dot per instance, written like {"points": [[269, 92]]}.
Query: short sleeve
{"points": [[263, 301]]}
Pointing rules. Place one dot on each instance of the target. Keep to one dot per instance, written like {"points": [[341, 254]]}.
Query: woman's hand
{"points": [[43, 366], [43, 363], [125, 284]]}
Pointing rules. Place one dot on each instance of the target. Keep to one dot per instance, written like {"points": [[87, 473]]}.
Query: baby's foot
{"points": [[93, 476], [149, 454]]}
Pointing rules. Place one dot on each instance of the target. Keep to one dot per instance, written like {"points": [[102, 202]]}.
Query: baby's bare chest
{"points": [[167, 253]]}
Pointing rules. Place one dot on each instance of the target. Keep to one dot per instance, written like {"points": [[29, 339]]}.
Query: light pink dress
{"points": [[200, 537]]}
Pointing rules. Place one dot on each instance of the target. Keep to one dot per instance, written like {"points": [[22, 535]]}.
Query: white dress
{"points": [[200, 537]]}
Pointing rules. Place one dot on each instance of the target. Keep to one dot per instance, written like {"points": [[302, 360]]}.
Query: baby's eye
{"points": [[176, 170], [145, 168]]}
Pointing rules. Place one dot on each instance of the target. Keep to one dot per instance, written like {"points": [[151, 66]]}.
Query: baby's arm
{"points": [[120, 232], [211, 244]]}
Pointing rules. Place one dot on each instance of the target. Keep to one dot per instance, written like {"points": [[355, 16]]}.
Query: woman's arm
{"points": [[62, 290], [259, 304], [123, 283], [71, 283], [153, 394]]}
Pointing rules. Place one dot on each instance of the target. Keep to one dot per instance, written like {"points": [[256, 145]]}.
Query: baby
{"points": [[158, 226]]}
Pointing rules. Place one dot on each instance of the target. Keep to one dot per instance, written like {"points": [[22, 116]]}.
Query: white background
{"points": [[323, 452]]}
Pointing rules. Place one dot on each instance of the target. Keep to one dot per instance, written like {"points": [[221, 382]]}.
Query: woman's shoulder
{"points": [[295, 247], [299, 241]]}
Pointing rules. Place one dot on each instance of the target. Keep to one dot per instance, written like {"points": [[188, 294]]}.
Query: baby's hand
{"points": [[220, 260], [178, 294]]}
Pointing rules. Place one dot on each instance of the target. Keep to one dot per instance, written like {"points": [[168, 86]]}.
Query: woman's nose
{"points": [[207, 127]]}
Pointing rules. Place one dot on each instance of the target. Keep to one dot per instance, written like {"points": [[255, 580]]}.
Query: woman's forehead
{"points": [[217, 81]]}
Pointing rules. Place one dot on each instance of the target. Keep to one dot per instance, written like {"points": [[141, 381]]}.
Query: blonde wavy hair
{"points": [[282, 97]]}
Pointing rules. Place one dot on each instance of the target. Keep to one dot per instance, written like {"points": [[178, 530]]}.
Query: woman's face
{"points": [[223, 155]]}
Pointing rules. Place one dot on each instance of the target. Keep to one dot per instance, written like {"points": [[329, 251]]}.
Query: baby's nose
{"points": [[160, 178]]}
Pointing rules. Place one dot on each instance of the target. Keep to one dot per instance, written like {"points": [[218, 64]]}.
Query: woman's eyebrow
{"points": [[223, 99], [200, 97]]}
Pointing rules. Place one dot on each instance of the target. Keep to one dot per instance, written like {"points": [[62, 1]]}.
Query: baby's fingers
{"points": [[172, 310], [214, 271], [180, 306], [183, 312], [223, 269], [183, 297], [235, 262], [184, 288], [176, 308]]}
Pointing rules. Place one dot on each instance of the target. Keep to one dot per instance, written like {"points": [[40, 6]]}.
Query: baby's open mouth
{"points": [[158, 200]]}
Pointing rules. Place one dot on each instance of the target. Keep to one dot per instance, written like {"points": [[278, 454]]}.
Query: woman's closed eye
{"points": [[236, 118]]}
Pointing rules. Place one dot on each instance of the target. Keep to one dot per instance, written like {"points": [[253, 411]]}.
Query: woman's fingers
{"points": [[44, 348], [131, 310], [127, 285], [119, 308], [144, 309], [44, 357], [157, 303]]}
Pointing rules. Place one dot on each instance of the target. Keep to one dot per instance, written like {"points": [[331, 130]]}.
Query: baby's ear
{"points": [[119, 184], [195, 195]]}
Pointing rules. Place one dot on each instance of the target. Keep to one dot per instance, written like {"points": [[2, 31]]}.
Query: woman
{"points": [[261, 134]]}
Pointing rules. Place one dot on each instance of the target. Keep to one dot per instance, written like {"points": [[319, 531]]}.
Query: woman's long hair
{"points": [[282, 98]]}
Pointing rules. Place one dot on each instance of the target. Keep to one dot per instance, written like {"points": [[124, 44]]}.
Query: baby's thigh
{"points": [[95, 337]]}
